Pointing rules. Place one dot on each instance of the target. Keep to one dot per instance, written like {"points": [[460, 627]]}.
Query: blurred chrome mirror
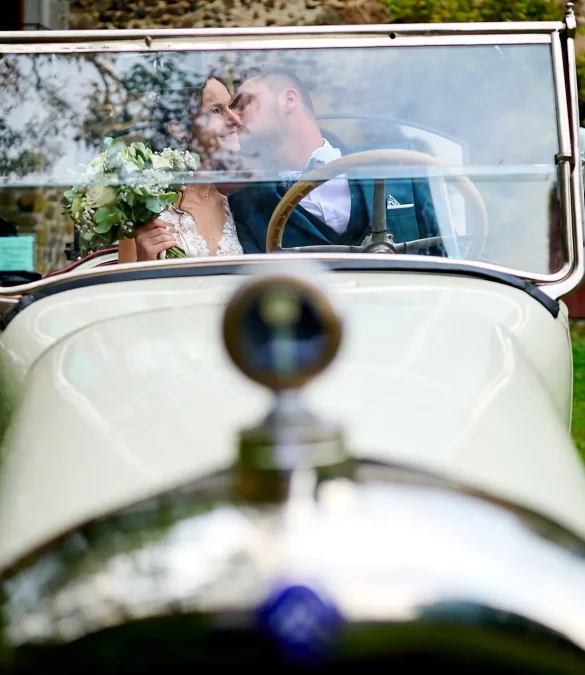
{"points": [[281, 331]]}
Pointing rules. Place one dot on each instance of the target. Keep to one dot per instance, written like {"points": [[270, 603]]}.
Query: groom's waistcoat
{"points": [[252, 207]]}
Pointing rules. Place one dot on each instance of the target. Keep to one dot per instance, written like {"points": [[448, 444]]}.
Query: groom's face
{"points": [[262, 127]]}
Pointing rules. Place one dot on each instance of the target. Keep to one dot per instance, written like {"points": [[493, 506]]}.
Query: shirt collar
{"points": [[325, 153]]}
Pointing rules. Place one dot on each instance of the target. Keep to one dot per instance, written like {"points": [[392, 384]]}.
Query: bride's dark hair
{"points": [[181, 105]]}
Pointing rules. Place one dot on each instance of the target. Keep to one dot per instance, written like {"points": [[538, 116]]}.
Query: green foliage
{"points": [[521, 10], [578, 422], [581, 84], [447, 11], [432, 11]]}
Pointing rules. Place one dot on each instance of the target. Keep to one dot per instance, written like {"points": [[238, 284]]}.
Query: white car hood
{"points": [[429, 374]]}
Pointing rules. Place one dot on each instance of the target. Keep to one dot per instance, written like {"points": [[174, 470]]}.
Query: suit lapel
{"points": [[311, 226], [367, 188], [360, 217], [304, 228]]}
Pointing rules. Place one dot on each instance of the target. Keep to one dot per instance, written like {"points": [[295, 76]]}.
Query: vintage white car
{"points": [[419, 501]]}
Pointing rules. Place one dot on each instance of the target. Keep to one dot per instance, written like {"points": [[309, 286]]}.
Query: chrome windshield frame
{"points": [[559, 35], [507, 28], [163, 43]]}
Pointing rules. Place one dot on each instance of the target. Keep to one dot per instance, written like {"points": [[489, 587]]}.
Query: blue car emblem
{"points": [[303, 623]]}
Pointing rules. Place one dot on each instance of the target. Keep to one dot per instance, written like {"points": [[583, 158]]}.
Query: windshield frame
{"points": [[560, 37]]}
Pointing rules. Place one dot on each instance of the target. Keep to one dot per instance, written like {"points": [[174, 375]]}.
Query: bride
{"points": [[201, 223]]}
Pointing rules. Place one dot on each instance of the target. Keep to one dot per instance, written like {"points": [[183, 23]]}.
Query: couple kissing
{"points": [[270, 120]]}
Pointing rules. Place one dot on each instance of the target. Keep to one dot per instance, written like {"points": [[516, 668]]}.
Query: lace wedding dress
{"points": [[183, 226]]}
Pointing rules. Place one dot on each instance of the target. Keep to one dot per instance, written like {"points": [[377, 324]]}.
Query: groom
{"points": [[280, 130]]}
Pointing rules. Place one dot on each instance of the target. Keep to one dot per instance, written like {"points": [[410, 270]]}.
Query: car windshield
{"points": [[467, 138]]}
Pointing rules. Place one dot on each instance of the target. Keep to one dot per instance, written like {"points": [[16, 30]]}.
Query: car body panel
{"points": [[131, 392]]}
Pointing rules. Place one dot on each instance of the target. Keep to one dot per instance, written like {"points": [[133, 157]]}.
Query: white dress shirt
{"points": [[331, 201]]}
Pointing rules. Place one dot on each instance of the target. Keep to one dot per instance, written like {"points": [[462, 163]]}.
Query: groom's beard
{"points": [[263, 146], [263, 149]]}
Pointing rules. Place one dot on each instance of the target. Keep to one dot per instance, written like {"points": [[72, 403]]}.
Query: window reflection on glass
{"points": [[487, 112]]}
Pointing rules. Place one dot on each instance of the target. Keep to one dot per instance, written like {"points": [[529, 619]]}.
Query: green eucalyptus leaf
{"points": [[103, 227], [169, 197], [142, 216], [106, 218], [153, 204]]}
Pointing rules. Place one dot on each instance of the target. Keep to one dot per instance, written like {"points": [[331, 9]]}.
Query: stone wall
{"points": [[87, 14], [92, 14], [38, 212]]}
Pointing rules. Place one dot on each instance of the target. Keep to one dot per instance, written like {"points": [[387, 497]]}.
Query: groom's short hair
{"points": [[277, 79]]}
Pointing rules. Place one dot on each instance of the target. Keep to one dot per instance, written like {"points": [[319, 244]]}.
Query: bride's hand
{"points": [[151, 239]]}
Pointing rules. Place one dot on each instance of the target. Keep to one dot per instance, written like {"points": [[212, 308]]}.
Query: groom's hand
{"points": [[151, 239]]}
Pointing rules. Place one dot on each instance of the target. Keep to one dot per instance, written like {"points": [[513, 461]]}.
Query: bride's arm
{"points": [[127, 251]]}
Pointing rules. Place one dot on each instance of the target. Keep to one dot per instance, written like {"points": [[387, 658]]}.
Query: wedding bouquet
{"points": [[124, 187]]}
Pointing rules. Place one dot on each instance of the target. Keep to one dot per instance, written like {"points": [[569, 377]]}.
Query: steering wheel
{"points": [[379, 241]]}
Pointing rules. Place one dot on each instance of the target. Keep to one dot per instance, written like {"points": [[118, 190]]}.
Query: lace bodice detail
{"points": [[188, 238]]}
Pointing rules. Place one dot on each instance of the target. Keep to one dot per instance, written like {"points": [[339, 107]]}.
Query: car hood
{"points": [[430, 374]]}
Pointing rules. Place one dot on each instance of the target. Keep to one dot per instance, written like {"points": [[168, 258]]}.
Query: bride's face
{"points": [[216, 125]]}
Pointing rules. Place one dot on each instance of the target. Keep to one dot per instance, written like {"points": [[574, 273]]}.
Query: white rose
{"points": [[76, 205], [98, 163], [159, 162], [100, 195], [130, 166]]}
